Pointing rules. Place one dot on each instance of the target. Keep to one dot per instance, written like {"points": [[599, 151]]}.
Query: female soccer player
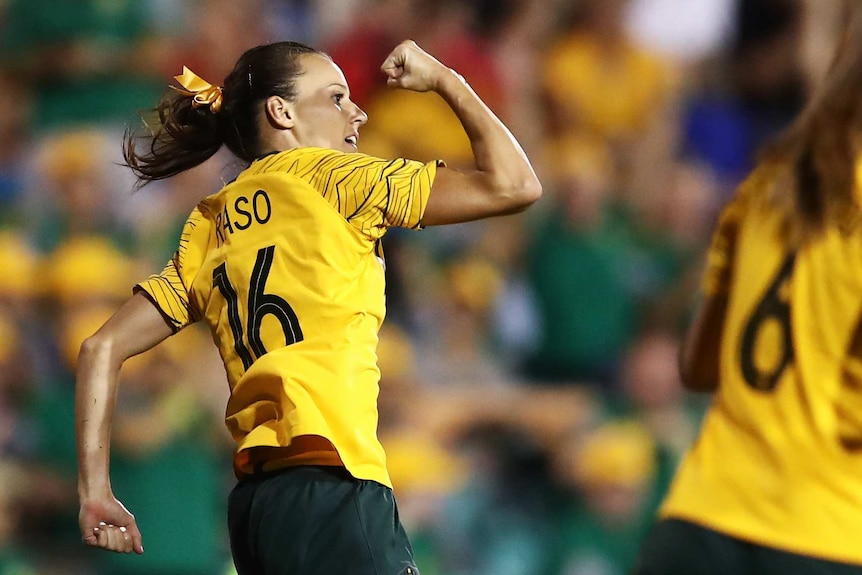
{"points": [[774, 483], [284, 265]]}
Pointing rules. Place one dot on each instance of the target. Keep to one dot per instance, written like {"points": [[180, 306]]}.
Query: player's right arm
{"points": [[136, 327], [503, 181], [700, 353]]}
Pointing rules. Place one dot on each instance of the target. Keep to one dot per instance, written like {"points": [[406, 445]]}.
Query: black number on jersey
{"points": [[260, 305], [773, 306]]}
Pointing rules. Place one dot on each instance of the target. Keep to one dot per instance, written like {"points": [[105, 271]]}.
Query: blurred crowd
{"points": [[530, 404]]}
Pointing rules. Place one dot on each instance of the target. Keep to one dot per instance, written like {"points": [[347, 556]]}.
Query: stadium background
{"points": [[530, 405]]}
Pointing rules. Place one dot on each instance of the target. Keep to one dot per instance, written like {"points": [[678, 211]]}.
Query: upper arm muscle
{"points": [[136, 327], [463, 196]]}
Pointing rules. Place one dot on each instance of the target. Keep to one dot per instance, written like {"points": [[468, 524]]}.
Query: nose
{"points": [[359, 116]]}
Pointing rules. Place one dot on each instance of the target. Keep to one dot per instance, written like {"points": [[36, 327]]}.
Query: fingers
{"points": [[91, 538], [107, 524], [393, 66], [395, 63], [411, 68], [137, 539], [117, 539]]}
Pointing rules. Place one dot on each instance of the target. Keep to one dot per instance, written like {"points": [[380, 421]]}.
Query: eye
{"points": [[338, 98]]}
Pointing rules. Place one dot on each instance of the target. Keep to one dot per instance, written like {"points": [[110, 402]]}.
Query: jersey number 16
{"points": [[260, 305]]}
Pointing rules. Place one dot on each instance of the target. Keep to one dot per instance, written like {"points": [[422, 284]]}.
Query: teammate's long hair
{"points": [[183, 137], [821, 146]]}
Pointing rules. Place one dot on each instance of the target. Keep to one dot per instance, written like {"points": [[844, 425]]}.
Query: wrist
{"points": [[449, 81], [94, 489]]}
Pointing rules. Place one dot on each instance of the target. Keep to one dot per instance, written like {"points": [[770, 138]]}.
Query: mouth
{"points": [[352, 140]]}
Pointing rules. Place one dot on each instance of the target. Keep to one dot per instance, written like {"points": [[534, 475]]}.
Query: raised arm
{"points": [[503, 181], [136, 327]]}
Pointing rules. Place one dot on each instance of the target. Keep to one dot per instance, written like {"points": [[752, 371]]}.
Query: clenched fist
{"points": [[107, 524], [410, 67]]}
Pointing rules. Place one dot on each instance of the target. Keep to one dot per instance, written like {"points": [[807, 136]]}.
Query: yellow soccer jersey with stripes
{"points": [[769, 465], [284, 266]]}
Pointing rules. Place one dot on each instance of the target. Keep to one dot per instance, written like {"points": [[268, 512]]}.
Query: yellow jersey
{"points": [[284, 265], [611, 97], [771, 464]]}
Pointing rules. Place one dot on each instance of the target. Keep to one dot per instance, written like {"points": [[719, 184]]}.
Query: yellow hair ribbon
{"points": [[202, 92]]}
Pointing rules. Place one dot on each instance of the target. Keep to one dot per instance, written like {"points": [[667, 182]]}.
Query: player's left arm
{"points": [[502, 180], [136, 327]]}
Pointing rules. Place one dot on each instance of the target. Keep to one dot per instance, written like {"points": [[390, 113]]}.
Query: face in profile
{"points": [[324, 114]]}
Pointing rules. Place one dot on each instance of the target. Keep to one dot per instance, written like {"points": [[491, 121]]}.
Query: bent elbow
{"points": [[95, 346], [524, 194], [532, 191]]}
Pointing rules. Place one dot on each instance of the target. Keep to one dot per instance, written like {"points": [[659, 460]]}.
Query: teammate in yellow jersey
{"points": [[773, 485], [284, 266]]}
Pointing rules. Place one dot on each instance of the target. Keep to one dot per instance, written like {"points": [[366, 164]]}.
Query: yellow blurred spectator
{"points": [[612, 470], [396, 357], [8, 340], [71, 156], [78, 190], [474, 282], [419, 464], [19, 264], [86, 268], [599, 80], [76, 325], [417, 126], [619, 453], [582, 170], [576, 154]]}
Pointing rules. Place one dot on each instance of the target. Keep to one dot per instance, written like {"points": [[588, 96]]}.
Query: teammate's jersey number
{"points": [[774, 307], [260, 304]]}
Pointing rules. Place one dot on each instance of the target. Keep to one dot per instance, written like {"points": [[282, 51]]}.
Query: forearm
{"points": [[496, 151], [95, 399], [503, 181], [136, 327]]}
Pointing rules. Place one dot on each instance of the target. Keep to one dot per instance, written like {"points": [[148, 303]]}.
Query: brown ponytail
{"points": [[187, 134], [820, 147]]}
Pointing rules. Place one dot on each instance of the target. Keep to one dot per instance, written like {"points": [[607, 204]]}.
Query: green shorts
{"points": [[676, 547], [311, 520]]}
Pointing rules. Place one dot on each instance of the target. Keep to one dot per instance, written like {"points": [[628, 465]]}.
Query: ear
{"points": [[279, 112]]}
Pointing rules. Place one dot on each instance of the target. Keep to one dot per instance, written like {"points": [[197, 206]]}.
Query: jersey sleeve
{"points": [[371, 193], [719, 258], [170, 291]]}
